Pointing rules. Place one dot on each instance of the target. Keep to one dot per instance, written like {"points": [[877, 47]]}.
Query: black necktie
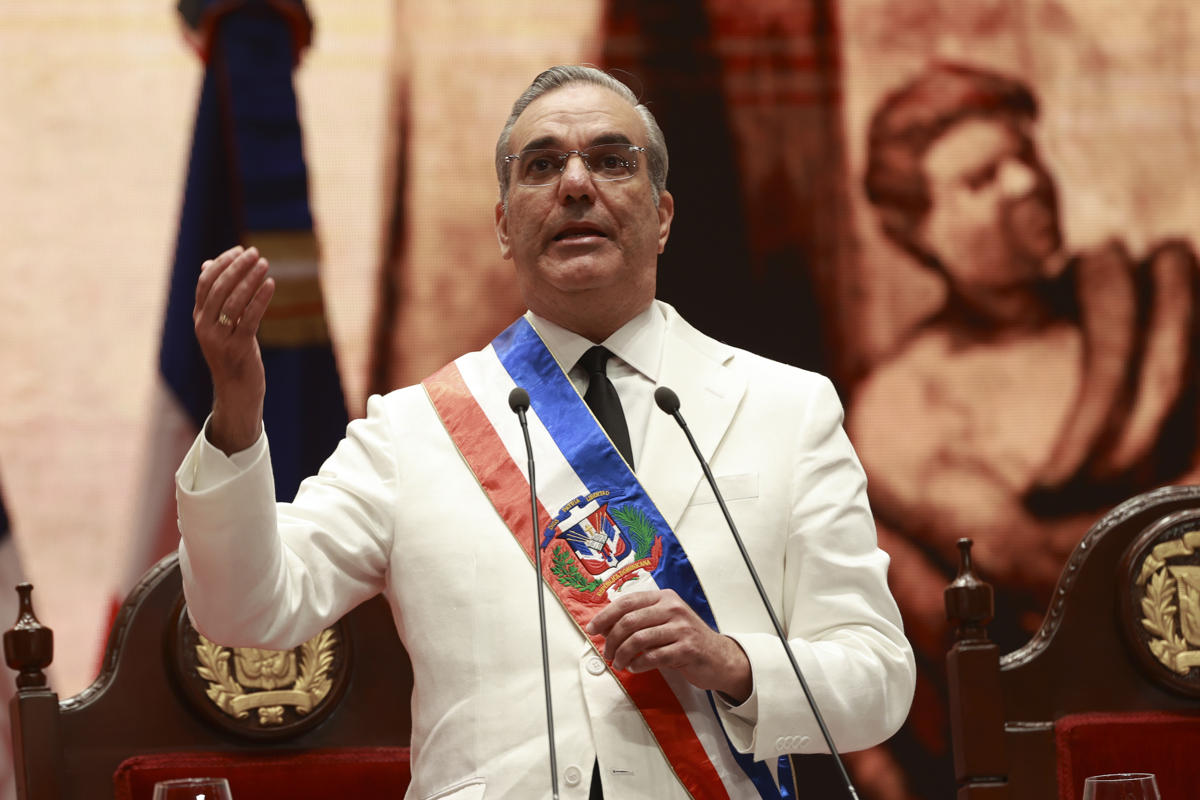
{"points": [[602, 399]]}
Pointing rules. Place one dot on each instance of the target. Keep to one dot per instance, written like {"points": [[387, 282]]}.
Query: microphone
{"points": [[518, 401], [668, 401]]}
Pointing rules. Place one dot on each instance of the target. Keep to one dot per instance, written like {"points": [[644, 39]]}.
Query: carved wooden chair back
{"points": [[1110, 682], [334, 714]]}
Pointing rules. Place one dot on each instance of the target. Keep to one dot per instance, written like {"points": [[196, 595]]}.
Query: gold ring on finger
{"points": [[225, 320]]}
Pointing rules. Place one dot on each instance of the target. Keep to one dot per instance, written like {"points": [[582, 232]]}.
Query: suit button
{"points": [[781, 744], [573, 776], [596, 666], [804, 741]]}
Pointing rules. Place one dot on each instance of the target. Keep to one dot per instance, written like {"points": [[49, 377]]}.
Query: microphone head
{"points": [[667, 400], [518, 400]]}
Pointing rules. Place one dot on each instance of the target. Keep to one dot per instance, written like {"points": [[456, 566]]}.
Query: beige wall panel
{"points": [[465, 61], [343, 86], [96, 112], [95, 109]]}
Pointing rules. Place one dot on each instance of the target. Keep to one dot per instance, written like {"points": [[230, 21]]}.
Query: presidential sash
{"points": [[604, 537]]}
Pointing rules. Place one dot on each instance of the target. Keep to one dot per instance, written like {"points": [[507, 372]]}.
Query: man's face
{"points": [[994, 215], [580, 239]]}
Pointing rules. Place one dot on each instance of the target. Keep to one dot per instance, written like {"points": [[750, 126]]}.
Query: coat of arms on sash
{"points": [[595, 546], [1162, 610]]}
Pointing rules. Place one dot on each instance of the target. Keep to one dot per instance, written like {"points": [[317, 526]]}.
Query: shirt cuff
{"points": [[213, 467], [740, 721], [747, 711]]}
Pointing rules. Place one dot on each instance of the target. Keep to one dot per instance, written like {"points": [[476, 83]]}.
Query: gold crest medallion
{"points": [[267, 680], [261, 693], [1161, 604]]}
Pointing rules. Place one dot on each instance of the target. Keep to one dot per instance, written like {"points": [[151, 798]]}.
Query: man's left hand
{"points": [[657, 630]]}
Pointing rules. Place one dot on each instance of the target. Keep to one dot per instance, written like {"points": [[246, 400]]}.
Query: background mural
{"points": [[979, 217]]}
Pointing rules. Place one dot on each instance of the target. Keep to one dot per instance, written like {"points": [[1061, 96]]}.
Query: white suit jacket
{"points": [[397, 510]]}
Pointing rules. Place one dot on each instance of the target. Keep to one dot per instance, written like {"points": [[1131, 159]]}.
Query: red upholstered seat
{"points": [[1165, 744], [381, 773]]}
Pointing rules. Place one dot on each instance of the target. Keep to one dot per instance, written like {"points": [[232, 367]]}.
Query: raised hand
{"points": [[231, 298], [657, 630]]}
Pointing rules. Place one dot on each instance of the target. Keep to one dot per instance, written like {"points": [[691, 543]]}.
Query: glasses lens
{"points": [[611, 162], [539, 167], [606, 162]]}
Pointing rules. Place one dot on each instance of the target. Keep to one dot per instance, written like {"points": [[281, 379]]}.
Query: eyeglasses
{"points": [[605, 162]]}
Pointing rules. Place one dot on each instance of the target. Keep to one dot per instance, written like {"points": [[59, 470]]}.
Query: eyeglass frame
{"points": [[509, 159]]}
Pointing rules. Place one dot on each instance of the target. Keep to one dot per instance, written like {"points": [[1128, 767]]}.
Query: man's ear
{"points": [[666, 213], [502, 231]]}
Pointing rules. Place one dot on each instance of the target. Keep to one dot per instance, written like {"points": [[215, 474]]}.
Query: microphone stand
{"points": [[668, 401], [518, 401]]}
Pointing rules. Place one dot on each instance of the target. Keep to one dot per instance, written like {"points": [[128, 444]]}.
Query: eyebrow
{"points": [[543, 142]]}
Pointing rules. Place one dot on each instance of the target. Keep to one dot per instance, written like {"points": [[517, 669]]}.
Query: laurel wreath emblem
{"points": [[316, 657], [568, 574], [312, 684], [214, 667], [1159, 609]]}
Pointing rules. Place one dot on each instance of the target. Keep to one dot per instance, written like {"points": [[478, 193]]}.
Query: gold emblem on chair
{"points": [[1171, 603], [267, 680]]}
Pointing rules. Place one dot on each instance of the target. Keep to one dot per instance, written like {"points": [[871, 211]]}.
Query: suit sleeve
{"points": [[841, 621], [257, 573]]}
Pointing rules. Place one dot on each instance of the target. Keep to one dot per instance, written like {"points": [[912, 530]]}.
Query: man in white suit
{"points": [[398, 509]]}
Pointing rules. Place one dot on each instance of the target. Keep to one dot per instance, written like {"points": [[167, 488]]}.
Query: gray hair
{"points": [[561, 77]]}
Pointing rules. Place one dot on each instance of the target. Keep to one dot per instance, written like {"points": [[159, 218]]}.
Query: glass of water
{"points": [[1122, 786], [193, 789]]}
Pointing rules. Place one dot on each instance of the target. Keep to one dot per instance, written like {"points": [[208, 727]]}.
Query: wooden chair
{"points": [[1111, 681], [329, 719]]}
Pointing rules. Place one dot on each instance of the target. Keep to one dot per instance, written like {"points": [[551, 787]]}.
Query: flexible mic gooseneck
{"points": [[518, 401], [668, 401]]}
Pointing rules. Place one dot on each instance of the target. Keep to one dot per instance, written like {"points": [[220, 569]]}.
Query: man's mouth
{"points": [[579, 232]]}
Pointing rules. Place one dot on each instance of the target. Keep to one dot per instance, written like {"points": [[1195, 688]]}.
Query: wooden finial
{"points": [[29, 645], [969, 601]]}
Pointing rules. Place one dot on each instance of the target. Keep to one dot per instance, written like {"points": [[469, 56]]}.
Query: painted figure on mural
{"points": [[1051, 384]]}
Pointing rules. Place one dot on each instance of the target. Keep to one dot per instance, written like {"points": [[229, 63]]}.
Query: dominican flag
{"points": [[247, 184]]}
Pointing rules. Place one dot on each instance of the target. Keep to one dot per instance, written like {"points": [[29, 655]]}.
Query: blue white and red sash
{"points": [[604, 537]]}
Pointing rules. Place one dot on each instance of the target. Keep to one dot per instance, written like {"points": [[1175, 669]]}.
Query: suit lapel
{"points": [[709, 395]]}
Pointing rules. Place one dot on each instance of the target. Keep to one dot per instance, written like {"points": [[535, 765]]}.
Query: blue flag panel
{"points": [[248, 184]]}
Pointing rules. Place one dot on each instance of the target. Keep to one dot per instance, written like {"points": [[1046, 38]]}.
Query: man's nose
{"points": [[1016, 178], [576, 181]]}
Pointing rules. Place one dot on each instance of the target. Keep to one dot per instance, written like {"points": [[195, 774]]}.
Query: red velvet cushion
{"points": [[1163, 743], [376, 772]]}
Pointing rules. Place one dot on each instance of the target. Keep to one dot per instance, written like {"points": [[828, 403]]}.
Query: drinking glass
{"points": [[1123, 786], [193, 789]]}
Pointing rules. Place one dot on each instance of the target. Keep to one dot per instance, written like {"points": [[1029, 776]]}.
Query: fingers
{"points": [[649, 630], [227, 285], [232, 295], [658, 630], [602, 622], [233, 309], [211, 270], [655, 647], [257, 305]]}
